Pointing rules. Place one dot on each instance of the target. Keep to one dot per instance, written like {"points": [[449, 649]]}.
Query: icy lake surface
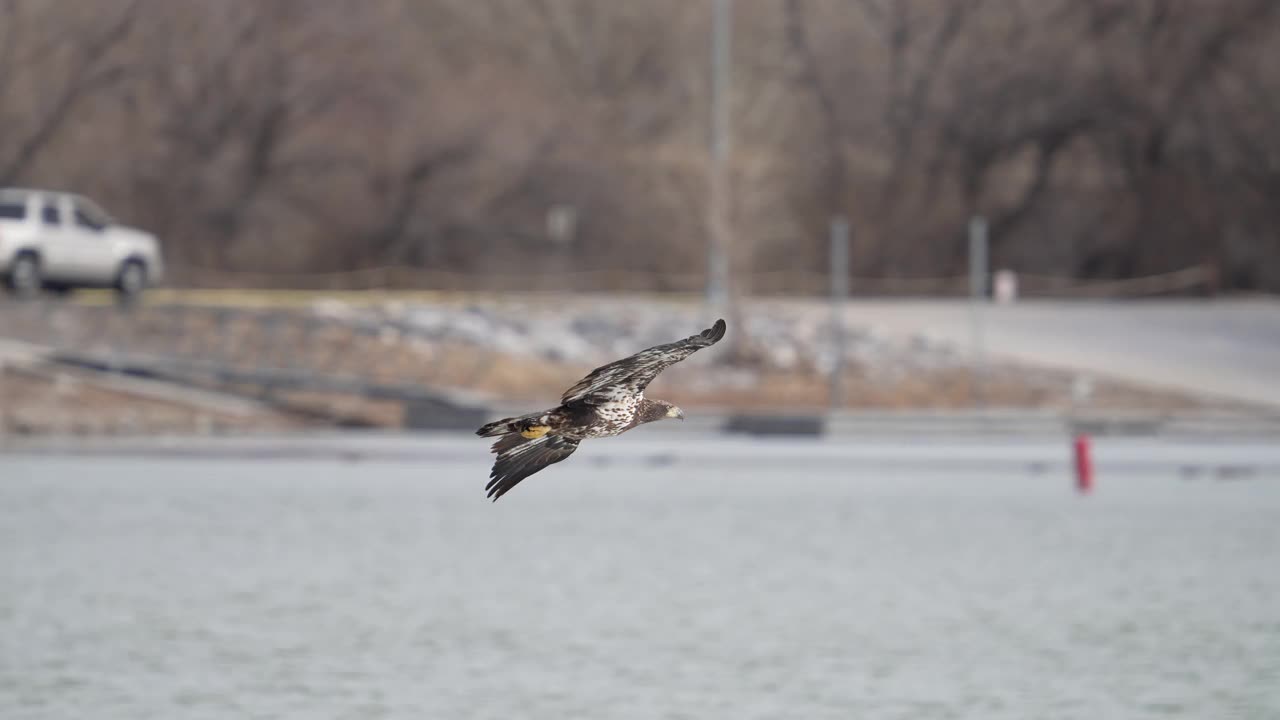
{"points": [[647, 587]]}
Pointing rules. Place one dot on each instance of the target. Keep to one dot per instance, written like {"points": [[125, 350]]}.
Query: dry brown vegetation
{"points": [[298, 342], [42, 401], [1103, 138]]}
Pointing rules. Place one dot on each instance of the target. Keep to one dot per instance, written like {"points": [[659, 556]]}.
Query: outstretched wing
{"points": [[631, 375], [518, 458]]}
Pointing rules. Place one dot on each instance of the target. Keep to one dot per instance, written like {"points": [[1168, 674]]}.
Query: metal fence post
{"points": [[839, 295], [978, 273], [4, 404]]}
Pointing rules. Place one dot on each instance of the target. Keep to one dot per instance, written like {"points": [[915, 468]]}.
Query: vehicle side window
{"points": [[13, 211], [50, 214], [85, 221]]}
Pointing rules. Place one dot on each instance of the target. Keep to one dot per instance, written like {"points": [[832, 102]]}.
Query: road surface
{"points": [[1229, 349]]}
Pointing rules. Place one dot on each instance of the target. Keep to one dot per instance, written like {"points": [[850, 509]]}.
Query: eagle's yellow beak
{"points": [[675, 412]]}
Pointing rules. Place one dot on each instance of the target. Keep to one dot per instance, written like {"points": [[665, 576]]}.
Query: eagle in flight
{"points": [[609, 401]]}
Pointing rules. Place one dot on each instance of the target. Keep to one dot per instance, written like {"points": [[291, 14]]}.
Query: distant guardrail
{"points": [[759, 282]]}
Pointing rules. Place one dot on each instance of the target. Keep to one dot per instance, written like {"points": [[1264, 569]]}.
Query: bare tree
{"points": [[73, 61], [246, 113], [1102, 138]]}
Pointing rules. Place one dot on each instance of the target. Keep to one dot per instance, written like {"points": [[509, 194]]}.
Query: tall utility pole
{"points": [[718, 205]]}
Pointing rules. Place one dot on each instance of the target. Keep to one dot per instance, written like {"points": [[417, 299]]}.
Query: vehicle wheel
{"points": [[132, 280], [24, 276]]}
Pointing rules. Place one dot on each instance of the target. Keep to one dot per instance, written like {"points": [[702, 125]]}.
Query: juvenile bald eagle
{"points": [[609, 401]]}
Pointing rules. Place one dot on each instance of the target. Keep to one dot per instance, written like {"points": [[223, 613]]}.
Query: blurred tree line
{"points": [[1102, 138]]}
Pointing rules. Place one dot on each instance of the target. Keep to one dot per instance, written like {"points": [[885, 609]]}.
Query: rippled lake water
{"points": [[196, 588]]}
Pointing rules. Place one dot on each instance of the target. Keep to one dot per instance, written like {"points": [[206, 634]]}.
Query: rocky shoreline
{"points": [[514, 353]]}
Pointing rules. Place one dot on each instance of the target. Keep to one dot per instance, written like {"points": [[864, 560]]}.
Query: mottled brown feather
{"points": [[608, 401], [631, 375]]}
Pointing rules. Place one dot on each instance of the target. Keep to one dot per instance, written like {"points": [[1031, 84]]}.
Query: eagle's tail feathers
{"points": [[535, 424], [493, 429]]}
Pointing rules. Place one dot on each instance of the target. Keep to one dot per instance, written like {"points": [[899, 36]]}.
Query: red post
{"points": [[1084, 464]]}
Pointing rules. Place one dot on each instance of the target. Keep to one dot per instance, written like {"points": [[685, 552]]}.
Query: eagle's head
{"points": [[653, 410]]}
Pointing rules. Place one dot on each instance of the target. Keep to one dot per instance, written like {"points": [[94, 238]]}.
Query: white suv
{"points": [[59, 241]]}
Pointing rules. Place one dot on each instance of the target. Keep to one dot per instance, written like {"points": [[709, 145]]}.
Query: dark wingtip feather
{"points": [[716, 331]]}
